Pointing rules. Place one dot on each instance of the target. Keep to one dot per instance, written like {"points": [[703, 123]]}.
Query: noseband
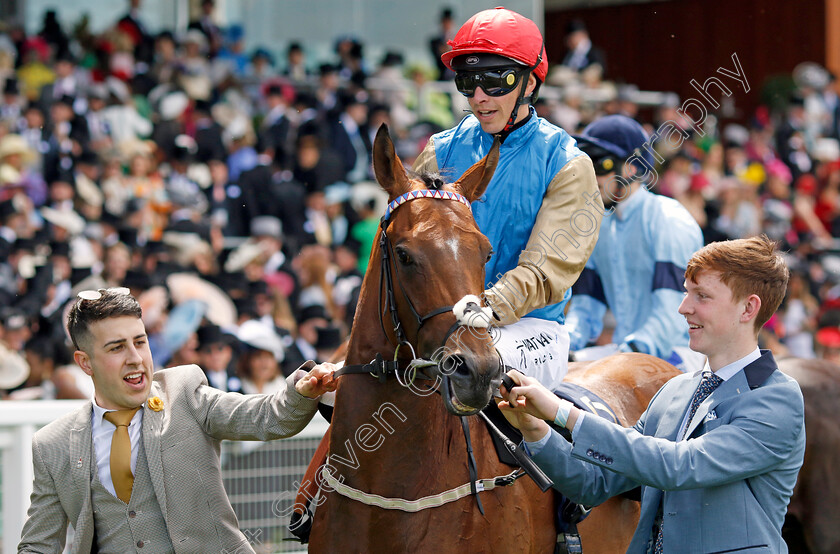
{"points": [[387, 276]]}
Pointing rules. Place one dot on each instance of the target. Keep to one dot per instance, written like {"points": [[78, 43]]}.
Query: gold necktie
{"points": [[121, 453]]}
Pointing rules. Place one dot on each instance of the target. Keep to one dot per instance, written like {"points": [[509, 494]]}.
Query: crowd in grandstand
{"points": [[233, 194]]}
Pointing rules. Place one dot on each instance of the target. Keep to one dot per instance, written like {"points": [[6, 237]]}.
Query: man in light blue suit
{"points": [[717, 453]]}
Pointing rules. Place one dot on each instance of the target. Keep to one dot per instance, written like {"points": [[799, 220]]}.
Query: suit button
{"points": [[589, 452], [602, 458], [132, 513], [609, 461], [139, 544]]}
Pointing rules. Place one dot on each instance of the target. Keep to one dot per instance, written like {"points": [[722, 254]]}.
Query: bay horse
{"points": [[811, 525], [393, 443]]}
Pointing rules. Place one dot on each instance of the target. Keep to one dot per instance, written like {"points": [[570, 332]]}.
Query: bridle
{"points": [[387, 277], [380, 367]]}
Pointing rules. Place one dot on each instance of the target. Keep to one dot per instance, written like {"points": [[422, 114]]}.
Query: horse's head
{"points": [[435, 257]]}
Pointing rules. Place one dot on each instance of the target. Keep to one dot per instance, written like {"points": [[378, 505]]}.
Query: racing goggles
{"points": [[605, 165], [494, 82]]}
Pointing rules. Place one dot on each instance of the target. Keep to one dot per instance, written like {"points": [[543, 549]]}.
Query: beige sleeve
{"points": [[427, 160], [564, 234]]}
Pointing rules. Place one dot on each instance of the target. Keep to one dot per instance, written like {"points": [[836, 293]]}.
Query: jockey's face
{"points": [[493, 112], [616, 187]]}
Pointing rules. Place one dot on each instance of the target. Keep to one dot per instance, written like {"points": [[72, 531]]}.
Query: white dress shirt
{"points": [[103, 432]]}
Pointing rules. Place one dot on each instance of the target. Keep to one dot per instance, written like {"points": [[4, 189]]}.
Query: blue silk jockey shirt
{"points": [[638, 270], [530, 157]]}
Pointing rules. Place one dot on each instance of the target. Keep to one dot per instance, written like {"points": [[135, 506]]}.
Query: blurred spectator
{"points": [[33, 73], [215, 357], [16, 173], [351, 60], [296, 69], [258, 366], [69, 82], [13, 370], [439, 44], [52, 33], [165, 62], [316, 166], [11, 108], [207, 27], [581, 54], [124, 121], [232, 54], [799, 317], [132, 25], [316, 278], [428, 104], [310, 319], [349, 137], [40, 355], [776, 203], [275, 131]]}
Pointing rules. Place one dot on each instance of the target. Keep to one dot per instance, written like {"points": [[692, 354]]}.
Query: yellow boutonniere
{"points": [[155, 404]]}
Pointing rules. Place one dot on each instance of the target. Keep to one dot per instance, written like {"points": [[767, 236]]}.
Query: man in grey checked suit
{"points": [[716, 470], [175, 500]]}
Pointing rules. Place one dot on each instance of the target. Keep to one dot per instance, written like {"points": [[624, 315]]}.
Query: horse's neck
{"points": [[383, 430]]}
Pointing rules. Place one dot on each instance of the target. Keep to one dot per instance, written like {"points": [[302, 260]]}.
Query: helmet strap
{"points": [[522, 98]]}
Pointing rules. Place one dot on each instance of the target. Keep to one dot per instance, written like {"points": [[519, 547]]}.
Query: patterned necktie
{"points": [[708, 384], [121, 453]]}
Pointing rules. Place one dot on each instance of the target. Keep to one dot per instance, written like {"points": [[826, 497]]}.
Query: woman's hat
{"points": [[260, 336]]}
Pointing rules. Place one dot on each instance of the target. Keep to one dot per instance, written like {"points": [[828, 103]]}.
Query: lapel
{"points": [[81, 448], [152, 425], [675, 411], [752, 376], [81, 454]]}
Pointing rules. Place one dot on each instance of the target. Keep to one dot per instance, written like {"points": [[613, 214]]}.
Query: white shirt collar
{"points": [[728, 371], [99, 416]]}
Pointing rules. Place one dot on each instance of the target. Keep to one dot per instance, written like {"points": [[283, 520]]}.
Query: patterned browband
{"points": [[439, 194]]}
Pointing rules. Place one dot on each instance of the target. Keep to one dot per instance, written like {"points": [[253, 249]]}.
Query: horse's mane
{"points": [[433, 181]]}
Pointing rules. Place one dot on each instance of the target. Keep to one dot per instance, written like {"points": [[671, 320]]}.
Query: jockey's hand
{"points": [[317, 381], [527, 404]]}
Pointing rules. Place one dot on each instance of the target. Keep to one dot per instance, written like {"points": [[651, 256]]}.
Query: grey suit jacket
{"points": [[182, 448], [726, 487]]}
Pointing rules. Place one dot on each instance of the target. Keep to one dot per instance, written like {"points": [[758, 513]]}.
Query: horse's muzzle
{"points": [[468, 382]]}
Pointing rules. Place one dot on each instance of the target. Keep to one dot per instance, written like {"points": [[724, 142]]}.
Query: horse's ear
{"points": [[387, 166], [474, 181]]}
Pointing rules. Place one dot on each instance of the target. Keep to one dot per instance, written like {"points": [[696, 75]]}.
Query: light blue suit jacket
{"points": [[726, 487]]}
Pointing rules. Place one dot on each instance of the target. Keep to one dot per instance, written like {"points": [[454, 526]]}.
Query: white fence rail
{"points": [[260, 478]]}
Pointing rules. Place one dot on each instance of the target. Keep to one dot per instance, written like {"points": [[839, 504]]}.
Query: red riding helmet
{"points": [[503, 32]]}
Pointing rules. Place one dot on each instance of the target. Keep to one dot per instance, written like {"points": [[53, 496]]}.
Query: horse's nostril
{"points": [[462, 368], [456, 366]]}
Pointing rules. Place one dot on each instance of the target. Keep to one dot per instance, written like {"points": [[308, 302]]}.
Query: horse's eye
{"points": [[403, 257], [489, 255]]}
